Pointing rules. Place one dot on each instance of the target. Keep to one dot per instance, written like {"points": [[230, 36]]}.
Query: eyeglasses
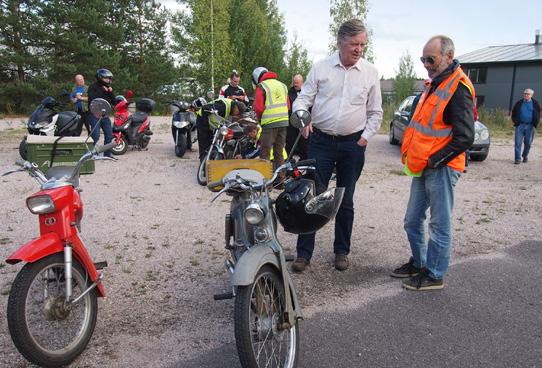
{"points": [[429, 60]]}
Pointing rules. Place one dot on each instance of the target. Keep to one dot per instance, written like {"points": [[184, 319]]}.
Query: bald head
{"points": [[79, 80], [438, 54], [297, 81]]}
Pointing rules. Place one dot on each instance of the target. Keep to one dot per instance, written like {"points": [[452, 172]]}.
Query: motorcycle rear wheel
{"points": [[259, 307], [121, 148], [44, 331]]}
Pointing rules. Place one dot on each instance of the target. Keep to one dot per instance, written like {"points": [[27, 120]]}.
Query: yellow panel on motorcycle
{"points": [[216, 169]]}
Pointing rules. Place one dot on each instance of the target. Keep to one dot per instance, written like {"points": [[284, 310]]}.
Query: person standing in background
{"points": [[79, 99], [526, 116], [292, 133]]}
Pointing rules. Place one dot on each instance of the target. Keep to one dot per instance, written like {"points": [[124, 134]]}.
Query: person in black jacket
{"points": [[292, 132], [102, 89], [526, 116]]}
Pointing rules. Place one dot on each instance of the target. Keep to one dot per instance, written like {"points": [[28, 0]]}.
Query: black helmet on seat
{"points": [[301, 212]]}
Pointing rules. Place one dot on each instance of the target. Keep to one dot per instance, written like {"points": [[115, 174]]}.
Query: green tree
{"points": [[297, 61], [21, 52], [202, 38], [344, 10], [405, 80]]}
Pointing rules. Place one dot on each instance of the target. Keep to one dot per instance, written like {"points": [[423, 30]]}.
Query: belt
{"points": [[339, 138]]}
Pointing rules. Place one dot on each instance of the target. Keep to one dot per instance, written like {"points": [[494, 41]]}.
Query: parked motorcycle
{"points": [[183, 127], [52, 305], [266, 307], [132, 129], [48, 120], [225, 144]]}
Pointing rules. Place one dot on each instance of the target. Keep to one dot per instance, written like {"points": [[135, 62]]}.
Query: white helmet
{"points": [[257, 73]]}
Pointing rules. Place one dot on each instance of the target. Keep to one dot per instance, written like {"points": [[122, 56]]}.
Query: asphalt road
{"points": [[488, 315]]}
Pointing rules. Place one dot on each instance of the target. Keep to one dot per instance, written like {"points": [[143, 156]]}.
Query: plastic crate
{"points": [[216, 169], [68, 151]]}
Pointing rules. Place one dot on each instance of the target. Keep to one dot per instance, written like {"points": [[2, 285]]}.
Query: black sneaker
{"points": [[406, 270], [423, 282], [525, 159]]}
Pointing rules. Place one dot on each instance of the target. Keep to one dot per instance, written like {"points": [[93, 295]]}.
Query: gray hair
{"points": [[529, 91], [446, 44], [350, 28]]}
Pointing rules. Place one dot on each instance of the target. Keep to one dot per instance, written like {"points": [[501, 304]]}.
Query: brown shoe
{"points": [[300, 264], [341, 262]]}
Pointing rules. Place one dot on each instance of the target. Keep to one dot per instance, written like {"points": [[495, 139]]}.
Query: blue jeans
{"points": [[105, 124], [433, 190], [348, 158], [524, 134]]}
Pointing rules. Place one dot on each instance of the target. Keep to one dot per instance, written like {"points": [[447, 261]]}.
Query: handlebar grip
{"points": [[215, 184], [20, 162], [105, 147], [308, 162]]}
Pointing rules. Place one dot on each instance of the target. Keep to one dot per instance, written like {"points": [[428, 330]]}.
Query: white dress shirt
{"points": [[344, 101]]}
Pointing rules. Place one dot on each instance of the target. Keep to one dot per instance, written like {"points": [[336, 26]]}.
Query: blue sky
{"points": [[400, 25]]}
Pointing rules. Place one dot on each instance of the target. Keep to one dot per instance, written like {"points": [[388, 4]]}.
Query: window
{"points": [[477, 75]]}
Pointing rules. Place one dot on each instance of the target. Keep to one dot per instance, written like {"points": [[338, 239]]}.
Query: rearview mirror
{"points": [[300, 119], [100, 107]]}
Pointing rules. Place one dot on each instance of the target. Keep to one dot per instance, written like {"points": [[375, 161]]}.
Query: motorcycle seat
{"points": [[138, 117]]}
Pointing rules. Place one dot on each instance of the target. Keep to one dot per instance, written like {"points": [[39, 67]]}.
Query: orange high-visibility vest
{"points": [[427, 133]]}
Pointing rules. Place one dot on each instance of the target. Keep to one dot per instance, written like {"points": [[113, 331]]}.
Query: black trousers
{"points": [[205, 135]]}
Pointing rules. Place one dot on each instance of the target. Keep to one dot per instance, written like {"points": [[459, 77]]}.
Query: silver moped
{"points": [[266, 307]]}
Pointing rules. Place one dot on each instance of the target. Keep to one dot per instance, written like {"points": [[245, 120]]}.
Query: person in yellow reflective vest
{"points": [[433, 153], [206, 122], [271, 104]]}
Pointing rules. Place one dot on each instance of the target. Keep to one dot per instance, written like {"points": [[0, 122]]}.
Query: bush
{"points": [[496, 120]]}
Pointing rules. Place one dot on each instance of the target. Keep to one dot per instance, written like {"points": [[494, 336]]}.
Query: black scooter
{"points": [[47, 120], [183, 127]]}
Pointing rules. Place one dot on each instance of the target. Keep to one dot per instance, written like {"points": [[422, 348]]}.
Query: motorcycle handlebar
{"points": [[20, 162], [307, 162]]}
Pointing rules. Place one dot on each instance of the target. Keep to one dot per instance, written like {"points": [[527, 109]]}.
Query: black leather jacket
{"points": [[459, 113]]}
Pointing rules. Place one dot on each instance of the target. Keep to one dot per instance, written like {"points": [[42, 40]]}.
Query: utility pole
{"points": [[212, 51]]}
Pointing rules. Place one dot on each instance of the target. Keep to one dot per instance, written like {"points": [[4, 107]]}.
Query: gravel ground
{"points": [[147, 216]]}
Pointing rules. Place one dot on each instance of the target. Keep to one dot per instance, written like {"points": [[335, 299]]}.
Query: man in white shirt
{"points": [[344, 92]]}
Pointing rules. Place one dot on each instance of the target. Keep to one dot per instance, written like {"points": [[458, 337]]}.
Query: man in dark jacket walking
{"points": [[526, 116], [102, 89], [292, 132]]}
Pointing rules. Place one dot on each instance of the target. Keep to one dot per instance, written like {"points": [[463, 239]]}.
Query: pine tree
{"points": [[297, 60]]}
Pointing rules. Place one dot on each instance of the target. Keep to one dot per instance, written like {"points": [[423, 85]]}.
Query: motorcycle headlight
{"points": [[254, 214], [41, 204], [180, 124], [484, 134]]}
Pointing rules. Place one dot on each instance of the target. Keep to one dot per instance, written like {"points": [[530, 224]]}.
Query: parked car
{"points": [[478, 151]]}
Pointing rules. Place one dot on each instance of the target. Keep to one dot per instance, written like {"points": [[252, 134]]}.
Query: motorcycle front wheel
{"points": [[181, 145], [121, 148], [259, 309], [44, 329], [202, 168], [22, 149]]}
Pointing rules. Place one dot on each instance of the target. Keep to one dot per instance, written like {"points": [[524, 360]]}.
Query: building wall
{"points": [[499, 83]]}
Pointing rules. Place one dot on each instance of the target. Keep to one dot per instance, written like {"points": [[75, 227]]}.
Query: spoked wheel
{"points": [[46, 330], [202, 168], [261, 339], [121, 148]]}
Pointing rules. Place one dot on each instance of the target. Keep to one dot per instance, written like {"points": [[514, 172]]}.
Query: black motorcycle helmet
{"points": [[49, 102], [104, 73], [300, 212], [198, 103]]}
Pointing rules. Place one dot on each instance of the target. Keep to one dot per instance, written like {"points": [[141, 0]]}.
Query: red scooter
{"points": [[52, 305], [131, 129]]}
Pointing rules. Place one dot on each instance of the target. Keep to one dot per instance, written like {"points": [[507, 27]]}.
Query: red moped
{"points": [[132, 129], [52, 305]]}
